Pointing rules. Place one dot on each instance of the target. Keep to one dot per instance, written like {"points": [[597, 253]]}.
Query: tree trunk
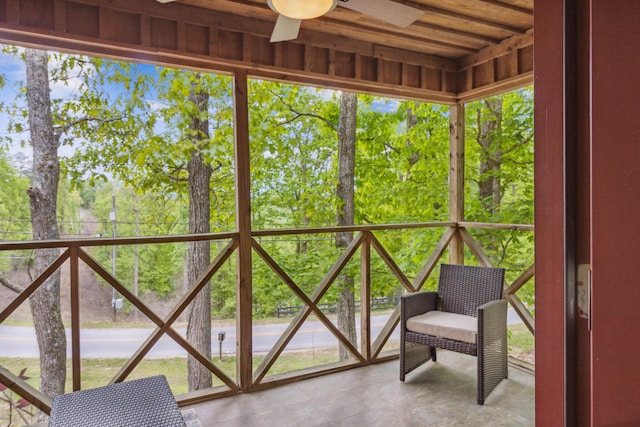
{"points": [[45, 302], [489, 127], [199, 256], [345, 213]]}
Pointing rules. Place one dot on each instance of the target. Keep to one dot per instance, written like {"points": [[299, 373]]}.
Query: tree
{"points": [[47, 124], [199, 256], [345, 212], [14, 203], [499, 186], [165, 142], [45, 302], [489, 134]]}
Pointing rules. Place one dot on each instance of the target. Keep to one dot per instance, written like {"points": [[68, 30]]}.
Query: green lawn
{"points": [[521, 342], [98, 372]]}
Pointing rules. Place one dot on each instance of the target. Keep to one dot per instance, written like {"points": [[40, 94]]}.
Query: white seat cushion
{"points": [[445, 325]]}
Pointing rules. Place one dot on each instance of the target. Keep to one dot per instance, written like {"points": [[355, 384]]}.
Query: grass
{"points": [[98, 372], [521, 342]]}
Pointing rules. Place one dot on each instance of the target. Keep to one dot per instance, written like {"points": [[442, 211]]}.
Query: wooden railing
{"points": [[370, 349]]}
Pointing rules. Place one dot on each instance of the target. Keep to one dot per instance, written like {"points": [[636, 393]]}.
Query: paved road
{"points": [[20, 341]]}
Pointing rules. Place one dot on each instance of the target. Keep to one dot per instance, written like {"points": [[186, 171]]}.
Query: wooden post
{"points": [[74, 278], [456, 179], [243, 226], [365, 297]]}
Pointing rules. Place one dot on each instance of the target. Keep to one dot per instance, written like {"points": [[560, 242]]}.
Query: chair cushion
{"points": [[445, 325]]}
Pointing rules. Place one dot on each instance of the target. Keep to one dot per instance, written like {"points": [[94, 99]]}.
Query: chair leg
{"points": [[413, 355], [433, 354]]}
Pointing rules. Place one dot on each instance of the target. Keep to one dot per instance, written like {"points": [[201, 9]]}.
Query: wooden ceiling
{"points": [[456, 51], [449, 29]]}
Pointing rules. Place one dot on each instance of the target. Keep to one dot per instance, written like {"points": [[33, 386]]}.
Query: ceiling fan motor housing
{"points": [[302, 9]]}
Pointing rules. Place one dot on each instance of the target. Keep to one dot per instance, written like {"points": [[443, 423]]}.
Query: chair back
{"points": [[463, 288]]}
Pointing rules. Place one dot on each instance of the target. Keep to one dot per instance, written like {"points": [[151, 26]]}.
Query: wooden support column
{"points": [[243, 226], [74, 277], [456, 179], [365, 297], [554, 236]]}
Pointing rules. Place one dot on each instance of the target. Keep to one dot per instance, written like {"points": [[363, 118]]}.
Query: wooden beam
{"points": [[74, 276], [502, 4], [409, 57], [25, 390], [365, 297], [402, 278], [243, 226], [492, 226], [163, 326], [474, 19], [457, 33], [456, 178], [512, 43], [433, 259], [475, 248], [498, 87], [22, 297]]}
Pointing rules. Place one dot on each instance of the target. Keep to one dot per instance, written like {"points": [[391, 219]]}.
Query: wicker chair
{"points": [[466, 315]]}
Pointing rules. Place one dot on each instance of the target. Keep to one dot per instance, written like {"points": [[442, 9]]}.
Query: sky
{"points": [[13, 69]]}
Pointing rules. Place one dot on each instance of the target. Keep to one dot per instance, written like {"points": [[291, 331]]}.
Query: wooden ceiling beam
{"points": [[468, 18], [457, 33], [362, 31], [511, 7], [505, 47]]}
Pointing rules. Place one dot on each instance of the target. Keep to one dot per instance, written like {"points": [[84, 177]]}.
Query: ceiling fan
{"points": [[292, 12]]}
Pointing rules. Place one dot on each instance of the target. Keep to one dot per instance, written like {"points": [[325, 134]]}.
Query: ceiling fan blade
{"points": [[165, 1], [286, 29], [385, 10]]}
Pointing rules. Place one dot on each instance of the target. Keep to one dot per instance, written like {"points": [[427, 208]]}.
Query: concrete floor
{"points": [[436, 394]]}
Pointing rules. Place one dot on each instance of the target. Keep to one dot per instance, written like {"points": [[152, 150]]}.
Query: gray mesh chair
{"points": [[467, 315]]}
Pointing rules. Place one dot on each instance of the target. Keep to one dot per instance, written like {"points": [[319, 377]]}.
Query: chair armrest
{"points": [[492, 317], [417, 303]]}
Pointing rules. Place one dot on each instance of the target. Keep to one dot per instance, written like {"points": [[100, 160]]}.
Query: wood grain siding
{"points": [[411, 76], [525, 59], [316, 59], [37, 13], [261, 51], [345, 64], [497, 68], [369, 71], [483, 74], [164, 34], [229, 45], [389, 72], [121, 26], [506, 66], [86, 22], [197, 39], [293, 55]]}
